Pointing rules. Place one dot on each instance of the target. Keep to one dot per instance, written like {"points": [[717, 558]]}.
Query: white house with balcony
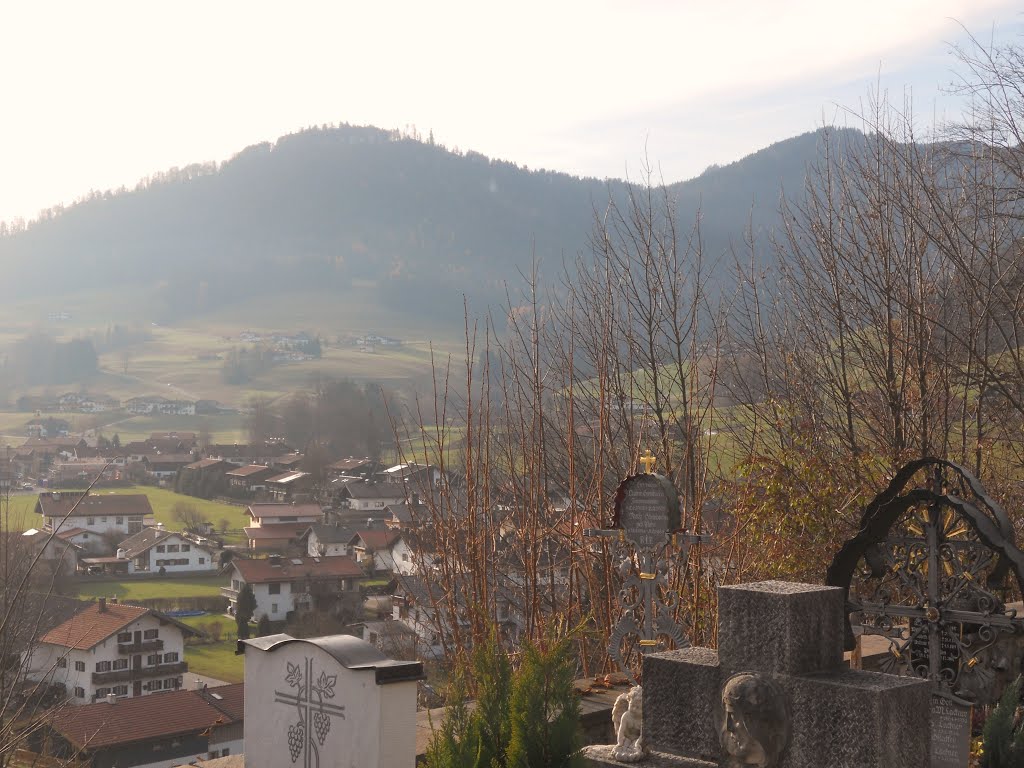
{"points": [[111, 649], [157, 550], [285, 584]]}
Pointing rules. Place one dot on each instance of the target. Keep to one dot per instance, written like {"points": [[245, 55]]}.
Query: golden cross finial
{"points": [[648, 460]]}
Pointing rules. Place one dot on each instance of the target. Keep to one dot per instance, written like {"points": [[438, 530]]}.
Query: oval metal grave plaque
{"points": [[647, 510]]}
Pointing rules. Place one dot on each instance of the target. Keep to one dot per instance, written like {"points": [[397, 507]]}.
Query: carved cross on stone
{"points": [[777, 694]]}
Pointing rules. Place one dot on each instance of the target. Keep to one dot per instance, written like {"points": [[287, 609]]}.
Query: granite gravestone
{"points": [[327, 702], [777, 694]]}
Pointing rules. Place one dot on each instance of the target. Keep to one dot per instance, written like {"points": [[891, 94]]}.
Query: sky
{"points": [[100, 94]]}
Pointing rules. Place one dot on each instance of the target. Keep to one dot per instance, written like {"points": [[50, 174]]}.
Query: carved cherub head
{"points": [[753, 724]]}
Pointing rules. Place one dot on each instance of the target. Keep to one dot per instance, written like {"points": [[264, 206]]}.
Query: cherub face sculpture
{"points": [[753, 724]]}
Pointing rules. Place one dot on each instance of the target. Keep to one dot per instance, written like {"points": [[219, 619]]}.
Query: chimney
{"points": [[113, 601], [103, 605], [198, 684], [111, 698], [275, 560]]}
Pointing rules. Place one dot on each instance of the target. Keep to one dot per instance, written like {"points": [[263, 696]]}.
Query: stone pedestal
{"points": [[778, 683]]}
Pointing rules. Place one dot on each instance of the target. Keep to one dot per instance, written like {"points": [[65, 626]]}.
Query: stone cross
{"points": [[327, 702], [777, 694]]}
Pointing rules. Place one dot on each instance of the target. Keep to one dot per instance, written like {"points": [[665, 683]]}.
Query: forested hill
{"points": [[354, 208]]}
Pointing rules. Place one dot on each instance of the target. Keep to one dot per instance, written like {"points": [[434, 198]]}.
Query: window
{"points": [[102, 666], [169, 658], [275, 588], [124, 637], [90, 521], [160, 548], [236, 585], [134, 519], [172, 547], [170, 684], [225, 752], [202, 561], [120, 663], [186, 547], [79, 692], [151, 634], [103, 519], [79, 666], [119, 520], [101, 692], [273, 607], [405, 557], [153, 659], [379, 504], [121, 690], [62, 663]]}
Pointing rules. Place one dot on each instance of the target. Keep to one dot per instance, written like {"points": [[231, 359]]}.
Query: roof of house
{"points": [[276, 531], [404, 513], [284, 510], [349, 464], [94, 624], [57, 504], [287, 477], [178, 459], [290, 460], [70, 533], [147, 538], [250, 469], [206, 464], [270, 448], [159, 445], [260, 571], [332, 534], [376, 539], [143, 718]]}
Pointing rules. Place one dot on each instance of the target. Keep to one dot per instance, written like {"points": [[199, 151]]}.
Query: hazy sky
{"points": [[98, 94]]}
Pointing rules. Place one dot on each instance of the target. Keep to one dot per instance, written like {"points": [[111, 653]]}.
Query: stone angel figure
{"points": [[627, 719]]}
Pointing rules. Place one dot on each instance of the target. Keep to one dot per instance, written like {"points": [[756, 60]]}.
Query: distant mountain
{"points": [[357, 209]]}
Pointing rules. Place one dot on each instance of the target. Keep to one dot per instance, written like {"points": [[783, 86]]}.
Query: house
{"points": [[393, 638], [110, 648], [165, 466], [328, 540], [174, 728], [138, 450], [245, 482], [158, 404], [157, 550], [288, 485], [255, 453], [406, 516], [204, 478], [289, 462], [351, 467], [113, 514], [279, 527], [383, 550], [418, 476], [421, 606], [82, 471], [365, 495], [59, 554], [283, 585]]}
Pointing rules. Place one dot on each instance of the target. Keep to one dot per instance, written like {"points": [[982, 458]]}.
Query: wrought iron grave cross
{"points": [[647, 517]]}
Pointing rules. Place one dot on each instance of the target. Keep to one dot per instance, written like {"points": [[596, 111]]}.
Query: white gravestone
{"points": [[327, 702]]}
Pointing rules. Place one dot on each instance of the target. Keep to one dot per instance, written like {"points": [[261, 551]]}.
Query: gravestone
{"points": [[777, 694], [327, 702]]}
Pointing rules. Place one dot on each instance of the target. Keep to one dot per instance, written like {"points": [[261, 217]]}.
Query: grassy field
{"points": [[131, 590], [218, 659]]}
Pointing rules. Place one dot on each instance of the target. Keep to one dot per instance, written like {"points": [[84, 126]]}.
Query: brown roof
{"points": [[92, 626], [147, 538], [261, 571], [277, 531], [347, 465], [288, 477], [93, 504], [206, 464], [250, 469], [377, 539], [143, 718], [280, 510], [71, 533]]}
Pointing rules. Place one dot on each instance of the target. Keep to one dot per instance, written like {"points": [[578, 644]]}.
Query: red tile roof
{"points": [[70, 533], [250, 469], [377, 539], [92, 626], [262, 571], [174, 713]]}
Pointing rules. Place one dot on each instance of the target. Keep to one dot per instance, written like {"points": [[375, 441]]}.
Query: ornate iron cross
{"points": [[308, 733], [926, 571], [645, 537]]}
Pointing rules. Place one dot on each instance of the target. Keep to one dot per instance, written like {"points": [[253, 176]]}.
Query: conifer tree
{"points": [[1003, 736], [544, 711], [450, 745], [490, 726]]}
